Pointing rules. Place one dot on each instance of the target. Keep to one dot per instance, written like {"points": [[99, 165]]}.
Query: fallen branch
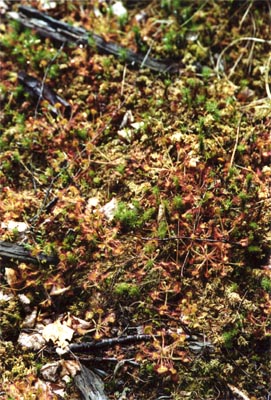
{"points": [[104, 343], [41, 91], [253, 39], [238, 392], [19, 252], [194, 342], [192, 238], [60, 31]]}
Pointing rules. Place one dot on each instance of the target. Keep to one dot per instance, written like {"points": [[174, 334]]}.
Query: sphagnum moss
{"points": [[210, 177]]}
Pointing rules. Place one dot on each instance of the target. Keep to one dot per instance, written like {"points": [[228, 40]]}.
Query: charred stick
{"points": [[60, 31], [41, 91], [19, 252], [104, 343]]}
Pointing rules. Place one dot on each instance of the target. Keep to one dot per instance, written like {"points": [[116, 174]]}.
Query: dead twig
{"points": [[62, 32], [246, 38], [238, 392], [192, 238], [41, 91], [45, 76], [236, 141], [267, 70], [104, 343], [19, 252]]}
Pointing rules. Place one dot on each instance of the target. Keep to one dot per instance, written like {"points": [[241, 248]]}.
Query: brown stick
{"points": [[60, 31], [19, 252]]}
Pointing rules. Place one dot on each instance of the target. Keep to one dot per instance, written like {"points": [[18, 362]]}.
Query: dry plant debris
{"points": [[153, 193]]}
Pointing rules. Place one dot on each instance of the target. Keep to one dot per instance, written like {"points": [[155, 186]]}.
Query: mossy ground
{"points": [[196, 166]]}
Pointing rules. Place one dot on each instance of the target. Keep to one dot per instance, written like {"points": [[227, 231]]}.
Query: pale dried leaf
{"points": [[50, 371], [58, 333], [70, 367], [30, 320], [15, 225], [32, 341], [110, 208]]}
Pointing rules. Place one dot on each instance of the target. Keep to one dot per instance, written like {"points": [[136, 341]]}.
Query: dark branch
{"points": [[104, 343], [41, 91], [49, 27], [19, 252]]}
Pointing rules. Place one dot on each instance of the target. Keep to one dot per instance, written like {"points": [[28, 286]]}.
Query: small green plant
{"points": [[82, 133], [169, 41], [200, 99], [266, 284], [212, 108], [147, 215], [91, 41], [162, 229], [53, 71], [121, 168], [249, 179], [244, 198], [244, 83], [127, 215], [127, 289], [206, 72], [186, 96], [141, 46], [149, 249], [228, 337], [123, 21], [178, 202], [233, 287], [122, 55], [97, 181], [241, 148], [156, 191], [254, 249]]}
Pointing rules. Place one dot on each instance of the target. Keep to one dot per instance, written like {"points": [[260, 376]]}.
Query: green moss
{"points": [[127, 215], [127, 289], [162, 230], [82, 133], [188, 114], [186, 96], [206, 72], [228, 338], [147, 215], [121, 169], [11, 318], [254, 249], [212, 108], [266, 284], [156, 191], [178, 202]]}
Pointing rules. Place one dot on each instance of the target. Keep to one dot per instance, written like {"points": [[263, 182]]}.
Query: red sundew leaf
{"points": [[13, 278], [93, 275], [173, 371], [110, 318], [148, 329], [162, 369], [58, 290], [244, 242], [206, 273], [176, 287], [155, 295], [163, 309]]}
